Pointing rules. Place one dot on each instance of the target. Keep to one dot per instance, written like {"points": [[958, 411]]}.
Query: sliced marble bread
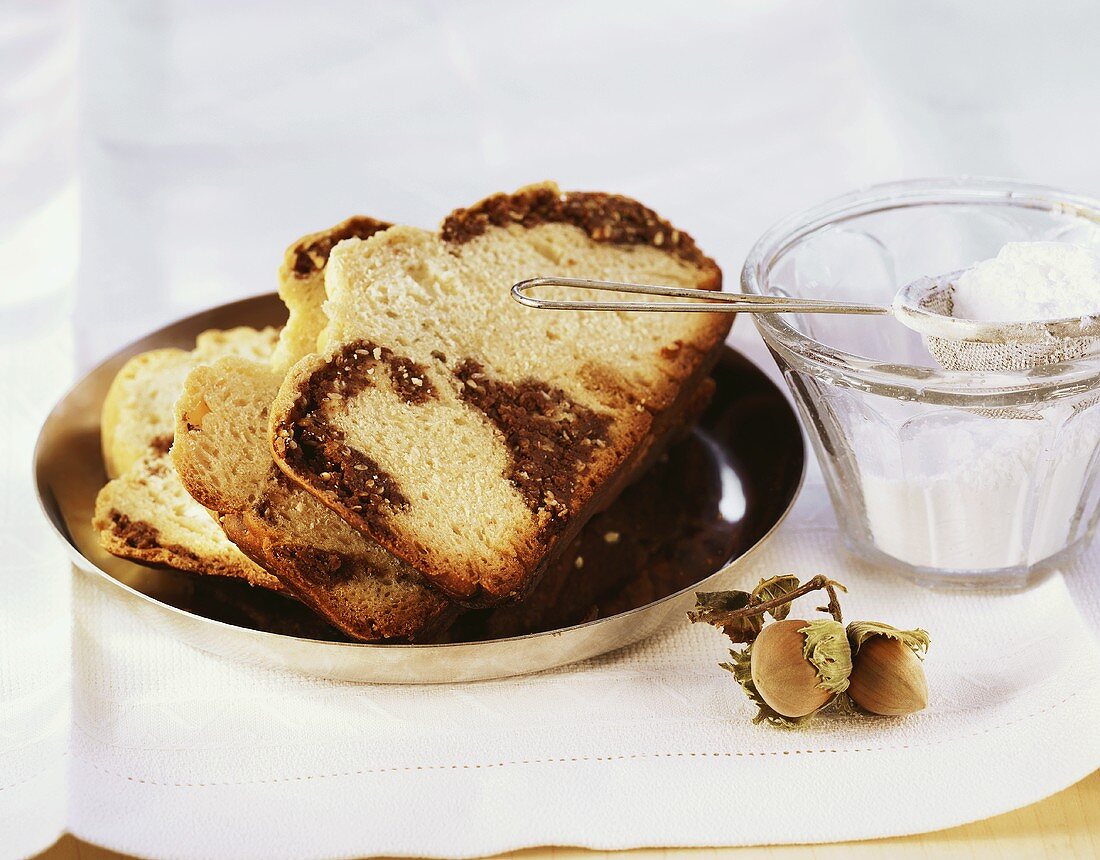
{"points": [[468, 435], [146, 515]]}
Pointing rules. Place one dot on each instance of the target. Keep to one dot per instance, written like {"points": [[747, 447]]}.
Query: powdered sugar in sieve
{"points": [[927, 306]]}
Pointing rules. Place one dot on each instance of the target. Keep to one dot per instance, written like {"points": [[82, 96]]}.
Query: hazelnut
{"points": [[799, 666], [887, 675]]}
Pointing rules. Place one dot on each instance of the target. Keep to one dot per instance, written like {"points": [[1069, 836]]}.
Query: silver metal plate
{"points": [[749, 442]]}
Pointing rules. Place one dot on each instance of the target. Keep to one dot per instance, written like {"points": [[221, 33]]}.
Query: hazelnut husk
{"points": [[887, 675], [797, 667]]}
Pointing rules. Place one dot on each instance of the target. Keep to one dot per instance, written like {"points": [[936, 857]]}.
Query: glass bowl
{"points": [[950, 478]]}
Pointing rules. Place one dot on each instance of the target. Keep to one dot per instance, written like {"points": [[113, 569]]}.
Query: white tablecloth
{"points": [[179, 754], [209, 135]]}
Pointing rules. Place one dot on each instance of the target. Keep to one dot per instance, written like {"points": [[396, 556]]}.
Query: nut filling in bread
{"points": [[328, 568], [549, 438], [604, 217], [140, 535], [162, 444], [135, 534], [308, 439], [311, 253]]}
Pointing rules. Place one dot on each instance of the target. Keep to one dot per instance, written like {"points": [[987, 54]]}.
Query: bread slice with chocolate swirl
{"points": [[224, 460], [468, 435], [145, 515]]}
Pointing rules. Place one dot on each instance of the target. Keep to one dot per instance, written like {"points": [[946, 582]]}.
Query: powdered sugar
{"points": [[1030, 281], [979, 494]]}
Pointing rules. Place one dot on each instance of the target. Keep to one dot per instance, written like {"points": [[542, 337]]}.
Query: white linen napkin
{"points": [[180, 754], [34, 610]]}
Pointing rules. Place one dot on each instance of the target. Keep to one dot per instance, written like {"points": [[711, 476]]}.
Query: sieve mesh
{"points": [[1018, 346]]}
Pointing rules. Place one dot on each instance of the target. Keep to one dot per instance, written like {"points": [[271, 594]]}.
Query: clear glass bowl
{"points": [[950, 478]]}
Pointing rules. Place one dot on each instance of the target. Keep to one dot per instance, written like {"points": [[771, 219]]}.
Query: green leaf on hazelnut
{"points": [[859, 631], [741, 669], [774, 588], [843, 706], [720, 608], [732, 611]]}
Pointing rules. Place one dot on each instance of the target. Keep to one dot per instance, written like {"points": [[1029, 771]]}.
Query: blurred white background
{"points": [[211, 134], [156, 156], [203, 137]]}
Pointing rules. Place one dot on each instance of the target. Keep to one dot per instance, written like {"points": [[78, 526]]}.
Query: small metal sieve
{"points": [[926, 305]]}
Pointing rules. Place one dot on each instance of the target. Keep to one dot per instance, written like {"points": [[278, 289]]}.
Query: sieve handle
{"points": [[704, 300]]}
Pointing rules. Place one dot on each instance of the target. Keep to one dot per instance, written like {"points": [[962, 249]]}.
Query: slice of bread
{"points": [[146, 516], [140, 397], [224, 459], [302, 287], [138, 415], [473, 437]]}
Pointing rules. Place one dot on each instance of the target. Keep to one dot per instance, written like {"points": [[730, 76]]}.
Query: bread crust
{"points": [[608, 464]]}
